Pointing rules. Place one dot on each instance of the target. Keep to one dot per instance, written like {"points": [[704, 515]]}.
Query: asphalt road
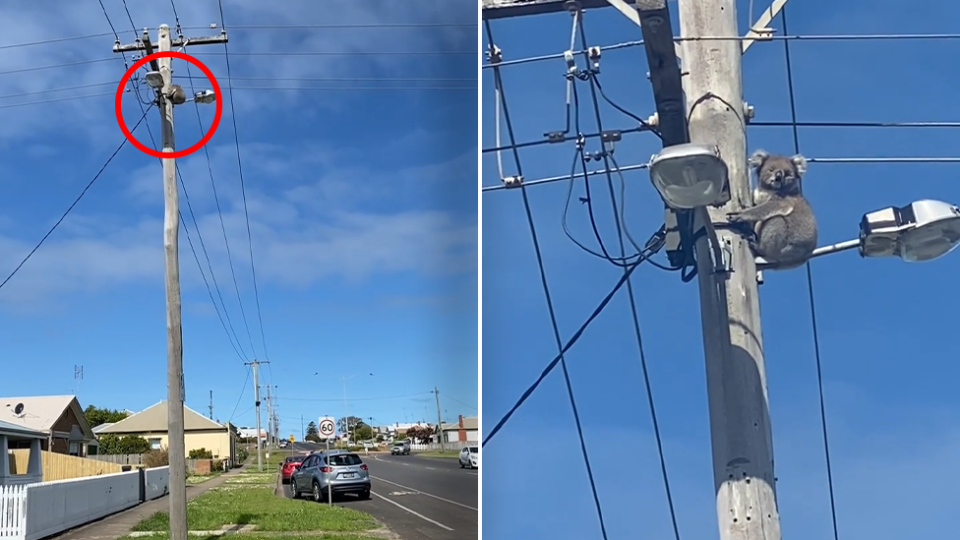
{"points": [[418, 497]]}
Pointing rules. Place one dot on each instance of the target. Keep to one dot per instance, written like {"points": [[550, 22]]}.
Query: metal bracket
{"points": [[494, 54], [725, 264], [555, 137], [513, 181]]}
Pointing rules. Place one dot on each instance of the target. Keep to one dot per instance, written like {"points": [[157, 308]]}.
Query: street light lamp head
{"points": [[689, 175], [921, 231], [154, 79], [205, 97]]}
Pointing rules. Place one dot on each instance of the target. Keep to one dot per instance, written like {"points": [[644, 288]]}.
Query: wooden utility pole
{"points": [[269, 417], [740, 428], [436, 394], [256, 398], [171, 226]]}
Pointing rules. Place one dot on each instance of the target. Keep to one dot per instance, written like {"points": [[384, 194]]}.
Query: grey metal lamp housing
{"points": [[689, 175], [205, 97], [154, 79], [921, 231]]}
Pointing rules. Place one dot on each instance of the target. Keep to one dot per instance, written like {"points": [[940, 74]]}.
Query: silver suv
{"points": [[400, 448], [343, 472]]}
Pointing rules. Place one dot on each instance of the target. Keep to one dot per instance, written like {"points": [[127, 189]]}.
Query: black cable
{"points": [[70, 208], [618, 217], [546, 290], [813, 310], [223, 227], [243, 192], [129, 17], [595, 80], [240, 399]]}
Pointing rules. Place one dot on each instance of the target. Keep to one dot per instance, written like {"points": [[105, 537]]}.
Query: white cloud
{"points": [[306, 225], [31, 22]]}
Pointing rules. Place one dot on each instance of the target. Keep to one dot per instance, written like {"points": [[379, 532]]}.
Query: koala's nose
{"points": [[779, 176]]}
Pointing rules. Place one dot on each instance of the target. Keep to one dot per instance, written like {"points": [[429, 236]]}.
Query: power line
{"points": [[57, 66], [243, 191], [77, 200], [240, 399], [435, 52], [810, 294], [455, 400], [501, 100], [352, 399]]}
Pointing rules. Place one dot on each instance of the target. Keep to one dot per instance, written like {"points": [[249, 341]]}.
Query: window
{"points": [[474, 450], [74, 449], [154, 444], [341, 460]]}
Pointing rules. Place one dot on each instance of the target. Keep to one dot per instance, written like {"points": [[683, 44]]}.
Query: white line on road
{"points": [[404, 508], [432, 468], [425, 493]]}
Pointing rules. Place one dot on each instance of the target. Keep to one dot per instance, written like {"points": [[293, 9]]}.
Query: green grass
{"points": [[260, 507], [195, 479], [448, 454]]}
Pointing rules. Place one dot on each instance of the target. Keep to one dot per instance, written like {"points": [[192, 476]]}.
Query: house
{"points": [[466, 429], [59, 418], [199, 431], [14, 436]]}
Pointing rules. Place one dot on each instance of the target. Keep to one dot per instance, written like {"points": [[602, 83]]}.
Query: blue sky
{"points": [[886, 333], [361, 206]]}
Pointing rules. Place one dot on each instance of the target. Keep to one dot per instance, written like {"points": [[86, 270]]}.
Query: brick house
{"points": [[59, 418]]}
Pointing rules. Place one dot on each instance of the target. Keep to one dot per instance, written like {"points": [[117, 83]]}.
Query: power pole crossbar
{"points": [[171, 225]]}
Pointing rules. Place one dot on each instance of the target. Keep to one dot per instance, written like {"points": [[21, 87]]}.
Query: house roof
{"points": [[6, 428], [469, 422], [100, 427], [40, 413], [153, 419]]}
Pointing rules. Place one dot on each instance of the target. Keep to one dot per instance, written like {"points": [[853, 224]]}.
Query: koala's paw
{"points": [[734, 217]]}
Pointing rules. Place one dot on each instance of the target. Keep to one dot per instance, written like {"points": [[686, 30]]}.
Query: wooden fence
{"points": [[62, 466], [136, 460]]}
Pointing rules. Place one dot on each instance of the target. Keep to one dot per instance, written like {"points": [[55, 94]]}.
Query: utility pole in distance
{"points": [[269, 417], [256, 398], [740, 429], [167, 96], [436, 394], [211, 404]]}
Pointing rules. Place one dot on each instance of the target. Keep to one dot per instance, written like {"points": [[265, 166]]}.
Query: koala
{"points": [[782, 221], [177, 95]]}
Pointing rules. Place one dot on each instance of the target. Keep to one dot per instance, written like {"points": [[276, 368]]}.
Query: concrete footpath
{"points": [[117, 525]]}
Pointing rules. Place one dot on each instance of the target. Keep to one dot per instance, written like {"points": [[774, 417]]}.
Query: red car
{"points": [[289, 464]]}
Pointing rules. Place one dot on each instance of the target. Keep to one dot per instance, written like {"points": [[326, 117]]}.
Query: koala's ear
{"points": [[800, 163], [757, 158]]}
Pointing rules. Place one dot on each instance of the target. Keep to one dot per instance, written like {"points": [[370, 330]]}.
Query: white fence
{"points": [[435, 447], [39, 510]]}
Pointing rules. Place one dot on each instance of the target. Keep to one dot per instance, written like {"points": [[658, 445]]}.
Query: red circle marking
{"points": [[216, 91]]}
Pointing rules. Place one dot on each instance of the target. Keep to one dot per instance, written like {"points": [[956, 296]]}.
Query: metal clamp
{"points": [[494, 54], [513, 181]]}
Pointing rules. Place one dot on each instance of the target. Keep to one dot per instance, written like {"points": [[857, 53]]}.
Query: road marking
{"points": [[432, 468], [425, 493], [419, 515]]}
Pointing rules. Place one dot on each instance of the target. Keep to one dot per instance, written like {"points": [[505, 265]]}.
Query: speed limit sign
{"points": [[327, 427]]}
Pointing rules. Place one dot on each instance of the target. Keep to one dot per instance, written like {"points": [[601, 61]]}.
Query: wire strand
{"points": [[72, 205], [546, 291], [810, 294]]}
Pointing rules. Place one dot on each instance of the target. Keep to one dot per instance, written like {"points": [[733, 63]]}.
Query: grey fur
{"points": [[783, 222]]}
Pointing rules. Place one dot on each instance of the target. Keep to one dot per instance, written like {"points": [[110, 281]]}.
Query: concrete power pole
{"points": [[269, 417], [211, 404], [256, 397], [740, 429], [436, 394], [171, 225]]}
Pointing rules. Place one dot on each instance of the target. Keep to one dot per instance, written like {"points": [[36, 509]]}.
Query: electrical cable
{"points": [[810, 294], [240, 399], [619, 218], [435, 52], [243, 191], [57, 66], [75, 202], [455, 400], [216, 198], [340, 400], [543, 278]]}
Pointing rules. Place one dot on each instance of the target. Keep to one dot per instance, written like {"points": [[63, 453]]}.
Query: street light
{"points": [[689, 175], [921, 231], [346, 417], [205, 97], [154, 79]]}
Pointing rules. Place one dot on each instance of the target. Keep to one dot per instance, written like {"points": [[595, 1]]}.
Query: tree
{"points": [[364, 432], [347, 425], [414, 433], [312, 433], [96, 416], [110, 444]]}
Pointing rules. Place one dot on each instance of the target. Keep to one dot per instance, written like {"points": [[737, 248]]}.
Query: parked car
{"points": [[283, 444], [290, 463], [400, 448], [343, 472], [470, 457]]}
